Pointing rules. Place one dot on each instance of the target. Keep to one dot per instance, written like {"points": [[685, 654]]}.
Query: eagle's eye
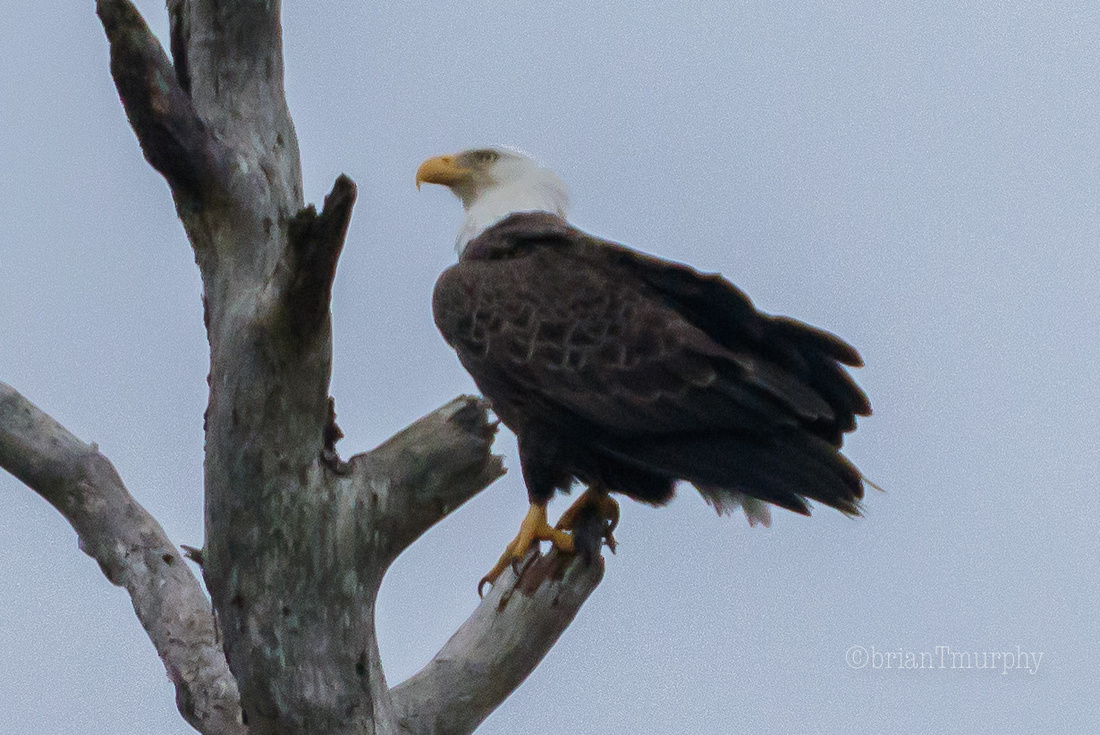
{"points": [[486, 156]]}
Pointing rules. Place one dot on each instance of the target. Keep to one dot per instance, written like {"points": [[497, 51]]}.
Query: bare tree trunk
{"points": [[297, 541]]}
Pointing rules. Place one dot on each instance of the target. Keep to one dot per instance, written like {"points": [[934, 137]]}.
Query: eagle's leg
{"points": [[534, 528], [605, 506]]}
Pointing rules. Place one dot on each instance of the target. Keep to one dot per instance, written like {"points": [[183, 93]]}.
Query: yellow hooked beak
{"points": [[443, 170]]}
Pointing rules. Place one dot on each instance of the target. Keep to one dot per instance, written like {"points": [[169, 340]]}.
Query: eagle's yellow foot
{"points": [[533, 529], [604, 505]]}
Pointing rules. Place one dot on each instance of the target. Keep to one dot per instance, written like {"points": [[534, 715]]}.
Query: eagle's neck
{"points": [[536, 191]]}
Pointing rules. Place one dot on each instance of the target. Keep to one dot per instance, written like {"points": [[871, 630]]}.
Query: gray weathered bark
{"points": [[297, 541], [133, 552]]}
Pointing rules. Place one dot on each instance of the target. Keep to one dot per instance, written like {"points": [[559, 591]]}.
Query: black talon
{"points": [[519, 566], [612, 544]]}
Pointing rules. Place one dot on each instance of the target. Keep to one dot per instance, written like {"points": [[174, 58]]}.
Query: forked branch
{"points": [[296, 541], [173, 138]]}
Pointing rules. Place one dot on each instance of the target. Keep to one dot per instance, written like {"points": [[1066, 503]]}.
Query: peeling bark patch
{"points": [[332, 434]]}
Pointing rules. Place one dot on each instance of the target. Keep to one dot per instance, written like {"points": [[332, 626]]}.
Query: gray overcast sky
{"points": [[922, 179]]}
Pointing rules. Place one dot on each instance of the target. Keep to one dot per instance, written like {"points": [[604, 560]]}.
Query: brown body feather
{"points": [[630, 372]]}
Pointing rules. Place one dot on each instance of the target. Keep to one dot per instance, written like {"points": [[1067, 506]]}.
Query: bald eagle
{"points": [[628, 372]]}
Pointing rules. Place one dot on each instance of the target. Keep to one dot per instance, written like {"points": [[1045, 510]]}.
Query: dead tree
{"points": [[297, 540]]}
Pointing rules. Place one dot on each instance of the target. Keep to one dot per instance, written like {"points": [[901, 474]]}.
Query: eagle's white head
{"points": [[492, 184]]}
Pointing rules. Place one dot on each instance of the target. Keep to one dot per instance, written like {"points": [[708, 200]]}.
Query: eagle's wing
{"points": [[813, 356]]}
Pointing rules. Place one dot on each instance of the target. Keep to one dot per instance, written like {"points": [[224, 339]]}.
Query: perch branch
{"points": [[497, 647], [133, 552]]}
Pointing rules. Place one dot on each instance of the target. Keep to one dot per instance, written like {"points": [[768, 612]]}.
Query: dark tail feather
{"points": [[786, 470]]}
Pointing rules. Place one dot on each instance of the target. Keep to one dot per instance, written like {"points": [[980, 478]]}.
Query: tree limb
{"points": [[133, 552], [497, 647], [429, 469], [173, 138]]}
